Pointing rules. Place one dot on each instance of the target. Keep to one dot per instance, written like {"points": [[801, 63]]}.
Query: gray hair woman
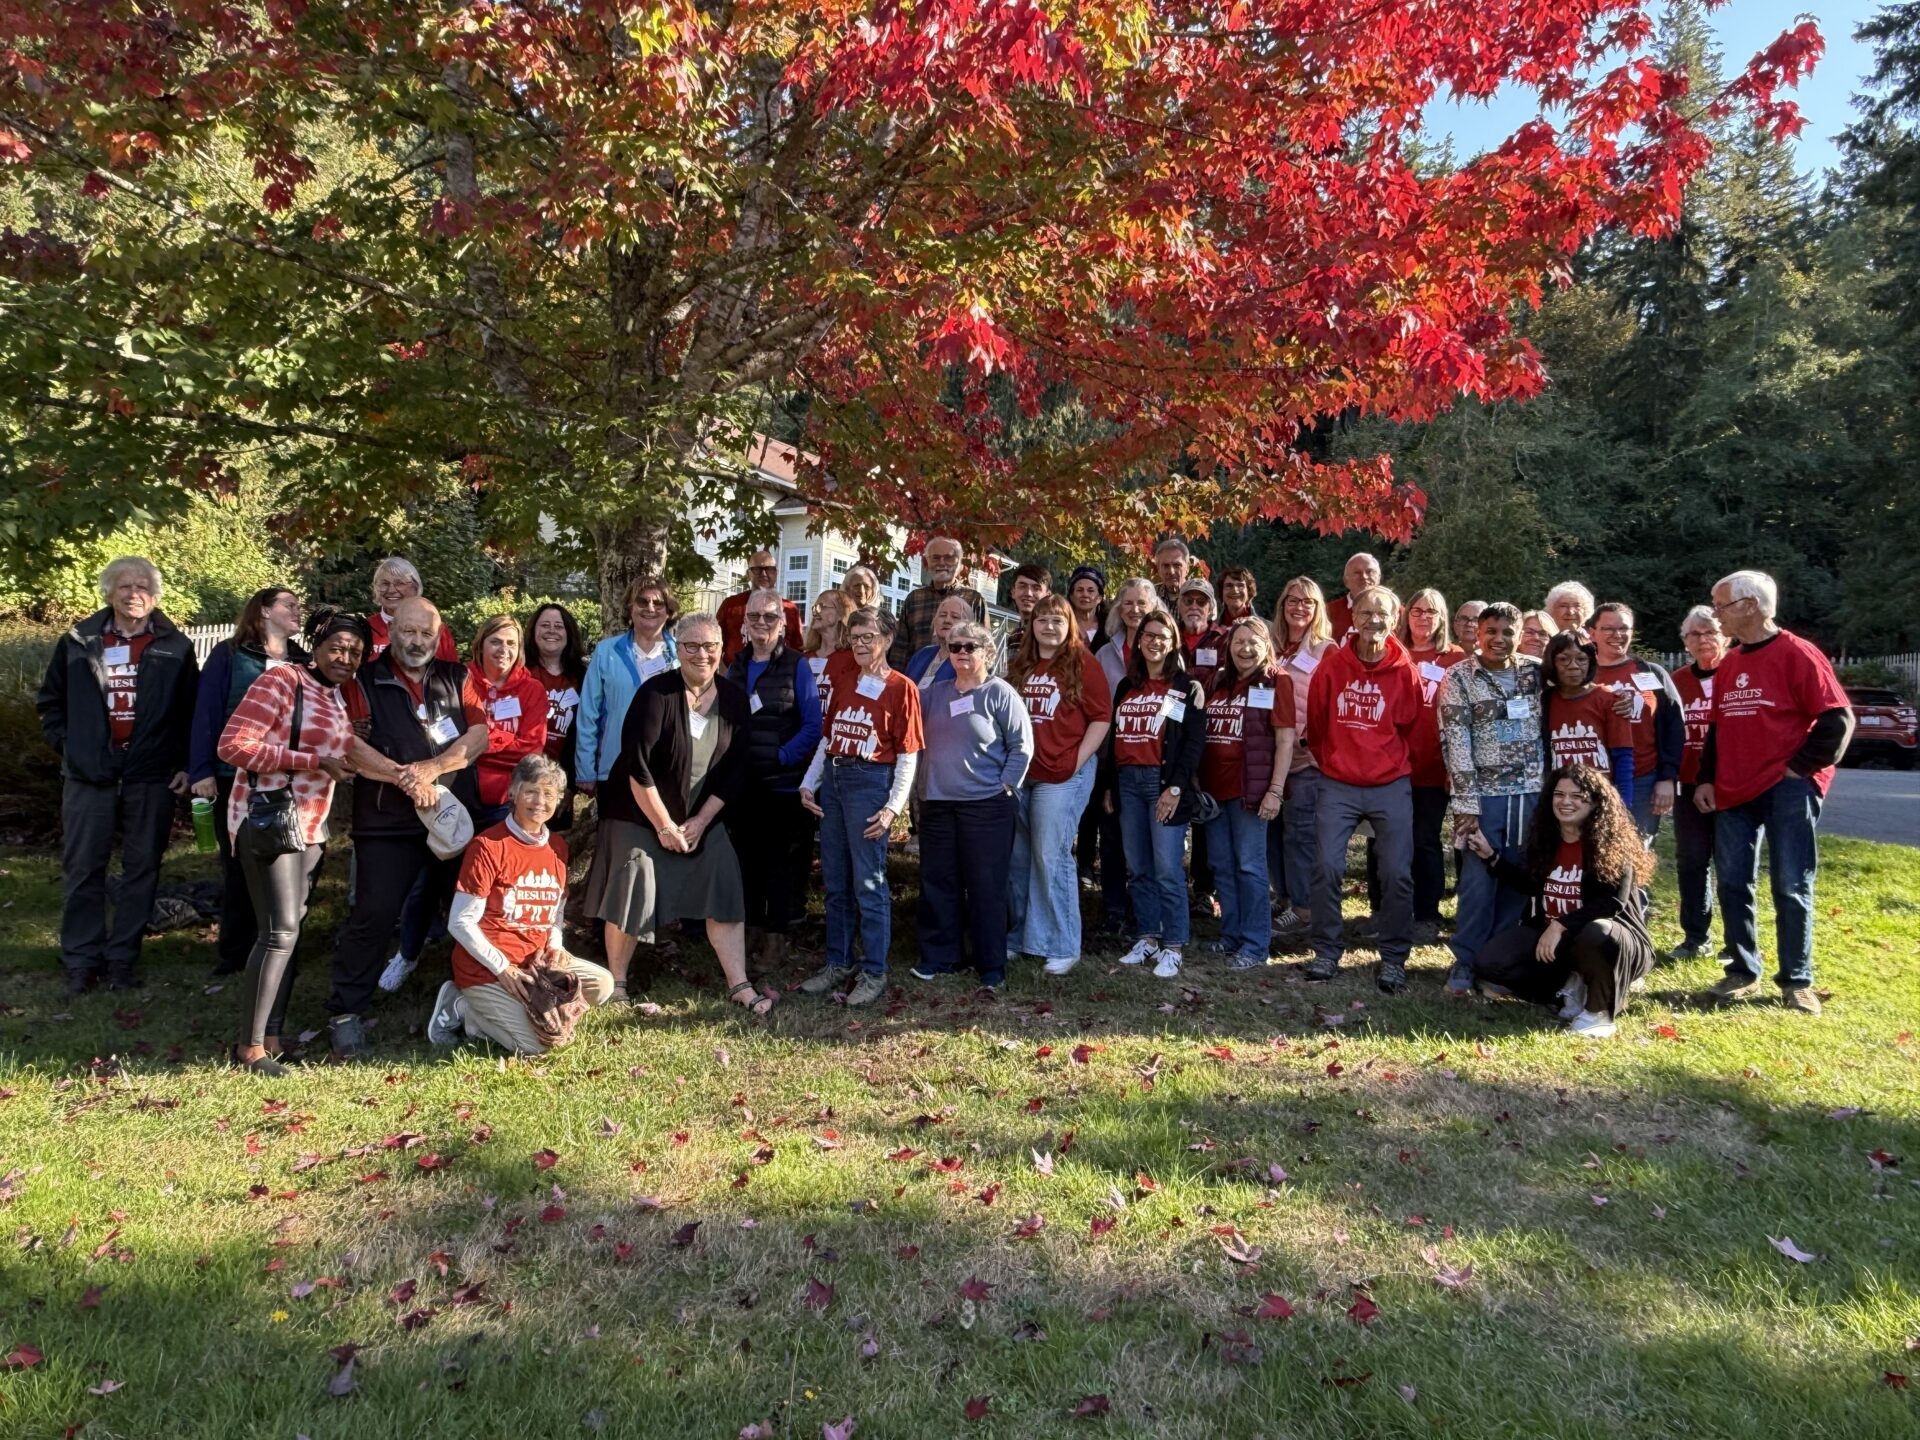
{"points": [[661, 858], [861, 587], [506, 924], [979, 744]]}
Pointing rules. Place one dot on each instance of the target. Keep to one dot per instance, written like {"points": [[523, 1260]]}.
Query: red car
{"points": [[1884, 727]]}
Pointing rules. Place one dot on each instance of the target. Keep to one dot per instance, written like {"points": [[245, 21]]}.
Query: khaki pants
{"points": [[494, 1015]]}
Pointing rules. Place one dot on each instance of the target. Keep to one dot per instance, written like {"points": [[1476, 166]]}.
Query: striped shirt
{"points": [[255, 743]]}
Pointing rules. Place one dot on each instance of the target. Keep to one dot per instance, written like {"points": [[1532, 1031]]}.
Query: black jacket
{"points": [[656, 749], [1181, 743], [73, 705], [1624, 902], [777, 720], [398, 733]]}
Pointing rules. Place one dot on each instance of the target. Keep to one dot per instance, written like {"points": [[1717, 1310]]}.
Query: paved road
{"points": [[1874, 804]]}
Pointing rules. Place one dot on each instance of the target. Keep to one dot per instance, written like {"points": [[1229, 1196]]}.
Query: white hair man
{"points": [[117, 708], [944, 565], [1362, 572], [1780, 725], [1171, 562], [395, 579]]}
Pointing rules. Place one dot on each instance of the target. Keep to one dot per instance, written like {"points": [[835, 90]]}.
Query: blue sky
{"points": [[1744, 27]]}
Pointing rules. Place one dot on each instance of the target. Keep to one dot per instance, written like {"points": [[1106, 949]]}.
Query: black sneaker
{"points": [[1690, 950], [1322, 969], [349, 1038], [80, 981], [1391, 977]]}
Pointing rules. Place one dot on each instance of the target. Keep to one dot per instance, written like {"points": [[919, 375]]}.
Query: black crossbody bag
{"points": [[272, 826]]}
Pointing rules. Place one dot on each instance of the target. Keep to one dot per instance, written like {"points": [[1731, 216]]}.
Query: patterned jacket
{"points": [[1490, 747]]}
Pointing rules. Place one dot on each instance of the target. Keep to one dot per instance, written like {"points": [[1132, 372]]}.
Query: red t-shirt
{"points": [[1765, 699], [1058, 728], [1619, 679], [1560, 897], [1696, 699], [1582, 731], [1340, 617], [1429, 769], [122, 657], [378, 622], [516, 711], [1223, 761], [563, 706], [1138, 721], [825, 668], [877, 720], [524, 887]]}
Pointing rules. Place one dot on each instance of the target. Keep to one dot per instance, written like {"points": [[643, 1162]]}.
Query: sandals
{"points": [[756, 1007]]}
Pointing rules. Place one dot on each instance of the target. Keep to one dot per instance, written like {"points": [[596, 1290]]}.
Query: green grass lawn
{"points": [[956, 1216]]}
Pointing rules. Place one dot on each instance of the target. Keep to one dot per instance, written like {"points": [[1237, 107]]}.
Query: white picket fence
{"points": [[205, 637]]}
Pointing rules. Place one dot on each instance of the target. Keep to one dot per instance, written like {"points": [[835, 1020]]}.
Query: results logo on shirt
{"points": [[1141, 714], [1578, 743], [1225, 719], [561, 705], [1561, 894], [1743, 699], [532, 901], [1360, 705], [855, 732], [1042, 694]]}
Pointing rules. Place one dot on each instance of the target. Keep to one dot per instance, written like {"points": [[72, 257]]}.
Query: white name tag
{"points": [[1207, 656], [1433, 672], [817, 664], [753, 703], [1518, 709], [1303, 662], [1706, 688], [117, 655], [443, 731], [871, 686], [697, 723], [507, 707], [1260, 697], [961, 706], [1173, 708], [1645, 680]]}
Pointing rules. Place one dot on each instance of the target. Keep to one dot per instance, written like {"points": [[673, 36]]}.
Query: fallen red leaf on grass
{"points": [[976, 1407], [1099, 1225], [1273, 1307], [1090, 1406], [90, 1297], [370, 1177], [905, 1152], [819, 1294], [1893, 1380], [1029, 1227], [545, 1159], [683, 1237], [552, 1213], [975, 1289], [1362, 1311], [403, 1292], [433, 1162], [1082, 1053], [22, 1357], [947, 1164]]}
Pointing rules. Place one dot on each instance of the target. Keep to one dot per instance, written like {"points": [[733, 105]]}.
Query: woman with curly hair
{"points": [[1584, 941]]}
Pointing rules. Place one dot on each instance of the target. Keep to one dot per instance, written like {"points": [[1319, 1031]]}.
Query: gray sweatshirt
{"points": [[978, 744]]}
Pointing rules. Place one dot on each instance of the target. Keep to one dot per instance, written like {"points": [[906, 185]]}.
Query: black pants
{"points": [[966, 847], [1692, 860], [1608, 956], [1199, 867], [238, 925], [1429, 850], [1100, 835], [279, 888], [772, 833], [384, 870], [139, 814]]}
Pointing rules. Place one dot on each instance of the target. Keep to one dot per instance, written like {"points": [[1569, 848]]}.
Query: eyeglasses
{"points": [[1301, 601], [864, 637], [962, 647], [653, 604], [1423, 610], [1613, 629], [1718, 606], [701, 647], [761, 569], [764, 617]]}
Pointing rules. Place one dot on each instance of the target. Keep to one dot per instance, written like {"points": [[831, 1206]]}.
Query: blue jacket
{"points": [[612, 677]]}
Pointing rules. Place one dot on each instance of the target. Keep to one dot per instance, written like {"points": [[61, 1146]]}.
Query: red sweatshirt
{"points": [[1362, 717]]}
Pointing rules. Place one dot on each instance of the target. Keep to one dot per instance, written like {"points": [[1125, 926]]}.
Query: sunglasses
{"points": [[963, 647]]}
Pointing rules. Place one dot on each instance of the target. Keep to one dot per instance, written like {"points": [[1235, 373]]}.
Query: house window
{"points": [[799, 564], [841, 567], [797, 592], [900, 581]]}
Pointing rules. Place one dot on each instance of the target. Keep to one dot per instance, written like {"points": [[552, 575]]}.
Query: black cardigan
{"points": [[1181, 743], [656, 748], [73, 705], [1623, 902]]}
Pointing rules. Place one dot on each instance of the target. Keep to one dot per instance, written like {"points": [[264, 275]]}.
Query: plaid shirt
{"points": [[915, 621]]}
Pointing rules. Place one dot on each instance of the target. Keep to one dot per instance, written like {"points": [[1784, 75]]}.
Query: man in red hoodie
{"points": [[1362, 706]]}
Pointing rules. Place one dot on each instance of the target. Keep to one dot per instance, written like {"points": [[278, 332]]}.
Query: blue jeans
{"points": [[1789, 813], [1644, 820], [853, 867], [1340, 810], [1237, 846], [1486, 906], [1298, 845], [1155, 878], [1043, 887]]}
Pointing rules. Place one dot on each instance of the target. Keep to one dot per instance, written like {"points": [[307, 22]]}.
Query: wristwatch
{"points": [[1174, 790]]}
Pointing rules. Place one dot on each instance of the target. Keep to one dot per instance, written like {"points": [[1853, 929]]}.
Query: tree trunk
{"points": [[626, 551]]}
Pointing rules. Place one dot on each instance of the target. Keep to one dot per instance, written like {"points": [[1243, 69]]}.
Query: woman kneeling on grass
{"points": [[1584, 941], [513, 981]]}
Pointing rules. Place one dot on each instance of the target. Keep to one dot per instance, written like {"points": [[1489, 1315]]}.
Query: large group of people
{"points": [[1167, 749]]}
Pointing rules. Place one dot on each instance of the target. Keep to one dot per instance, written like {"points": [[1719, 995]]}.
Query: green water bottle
{"points": [[203, 840]]}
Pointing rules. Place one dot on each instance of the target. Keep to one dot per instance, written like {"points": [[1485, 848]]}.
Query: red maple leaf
{"points": [[1273, 1307], [976, 1407], [545, 1159], [975, 1289]]}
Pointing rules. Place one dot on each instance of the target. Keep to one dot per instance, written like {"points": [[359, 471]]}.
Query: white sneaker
{"points": [[1142, 951], [1060, 967], [1573, 997], [448, 1023], [1592, 1025], [396, 973], [1167, 967]]}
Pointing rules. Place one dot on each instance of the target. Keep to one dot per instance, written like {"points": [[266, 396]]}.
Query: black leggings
{"points": [[1607, 956], [279, 888]]}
